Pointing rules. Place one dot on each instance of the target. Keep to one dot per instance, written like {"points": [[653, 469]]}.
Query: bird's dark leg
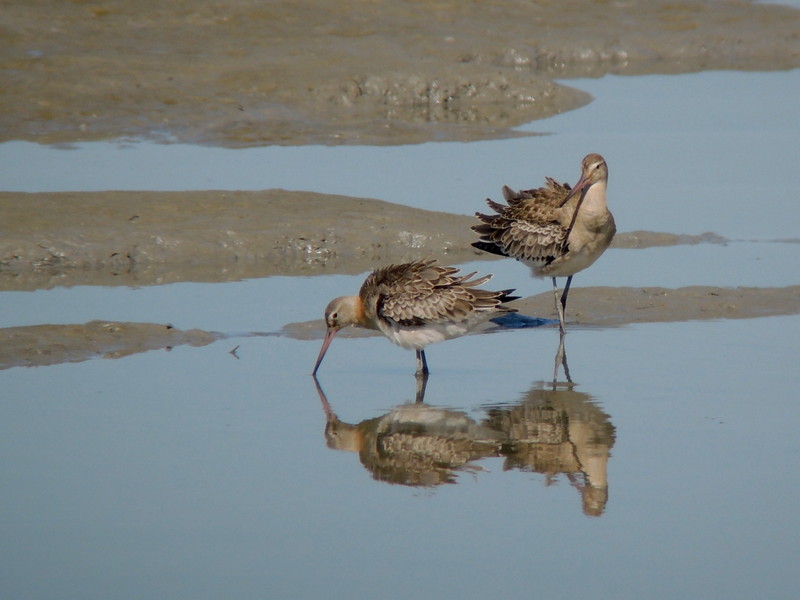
{"points": [[562, 306], [566, 291], [422, 364], [559, 306], [422, 382]]}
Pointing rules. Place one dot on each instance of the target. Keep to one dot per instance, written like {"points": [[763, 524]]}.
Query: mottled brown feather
{"points": [[416, 293], [528, 228]]}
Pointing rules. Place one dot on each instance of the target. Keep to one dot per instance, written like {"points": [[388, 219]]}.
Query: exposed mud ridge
{"points": [[40, 345], [618, 306], [147, 238], [609, 306], [153, 238], [243, 73]]}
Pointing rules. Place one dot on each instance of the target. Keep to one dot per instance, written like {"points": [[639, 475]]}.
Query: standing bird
{"points": [[555, 230], [416, 304]]}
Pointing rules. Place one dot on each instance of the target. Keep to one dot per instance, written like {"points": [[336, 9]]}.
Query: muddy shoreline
{"points": [[154, 238], [244, 74], [241, 73], [41, 345]]}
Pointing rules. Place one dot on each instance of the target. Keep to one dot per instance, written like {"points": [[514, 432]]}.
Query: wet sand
{"points": [[245, 74], [153, 238], [40, 345], [156, 238], [615, 307]]}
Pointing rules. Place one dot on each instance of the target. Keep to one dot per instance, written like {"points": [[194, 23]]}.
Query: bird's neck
{"points": [[594, 201], [359, 316], [591, 206]]}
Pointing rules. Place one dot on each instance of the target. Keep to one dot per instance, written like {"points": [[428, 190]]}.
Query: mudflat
{"points": [[242, 74]]}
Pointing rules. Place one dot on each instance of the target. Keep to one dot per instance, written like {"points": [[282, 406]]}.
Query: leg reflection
{"points": [[561, 361]]}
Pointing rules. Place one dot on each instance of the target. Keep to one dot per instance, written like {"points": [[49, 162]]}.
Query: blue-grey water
{"points": [[192, 473]]}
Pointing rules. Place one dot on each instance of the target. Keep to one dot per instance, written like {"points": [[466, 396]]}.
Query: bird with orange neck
{"points": [[416, 304]]}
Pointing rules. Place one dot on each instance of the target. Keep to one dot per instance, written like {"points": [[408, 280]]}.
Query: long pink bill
{"points": [[329, 333]]}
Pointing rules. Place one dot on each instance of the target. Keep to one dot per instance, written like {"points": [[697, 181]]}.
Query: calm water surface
{"points": [[669, 471]]}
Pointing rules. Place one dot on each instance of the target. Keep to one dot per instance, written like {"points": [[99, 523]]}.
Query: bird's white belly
{"points": [[416, 338]]}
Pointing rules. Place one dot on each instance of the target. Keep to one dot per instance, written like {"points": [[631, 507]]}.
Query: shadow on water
{"points": [[552, 430]]}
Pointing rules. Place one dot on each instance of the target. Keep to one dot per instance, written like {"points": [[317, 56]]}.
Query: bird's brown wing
{"points": [[416, 293], [528, 228]]}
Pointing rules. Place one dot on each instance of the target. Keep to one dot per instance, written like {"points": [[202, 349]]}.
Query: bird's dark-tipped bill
{"points": [[329, 333]]}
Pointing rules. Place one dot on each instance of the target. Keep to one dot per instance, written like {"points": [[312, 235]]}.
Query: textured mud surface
{"points": [[243, 73], [40, 345], [150, 238]]}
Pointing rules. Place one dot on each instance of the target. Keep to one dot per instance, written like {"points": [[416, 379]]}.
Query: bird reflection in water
{"points": [[556, 431], [413, 444]]}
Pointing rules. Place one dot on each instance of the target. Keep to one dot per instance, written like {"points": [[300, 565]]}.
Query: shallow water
{"points": [[199, 473]]}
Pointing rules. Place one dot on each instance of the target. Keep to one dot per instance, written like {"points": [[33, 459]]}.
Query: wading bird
{"points": [[555, 230], [416, 304]]}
